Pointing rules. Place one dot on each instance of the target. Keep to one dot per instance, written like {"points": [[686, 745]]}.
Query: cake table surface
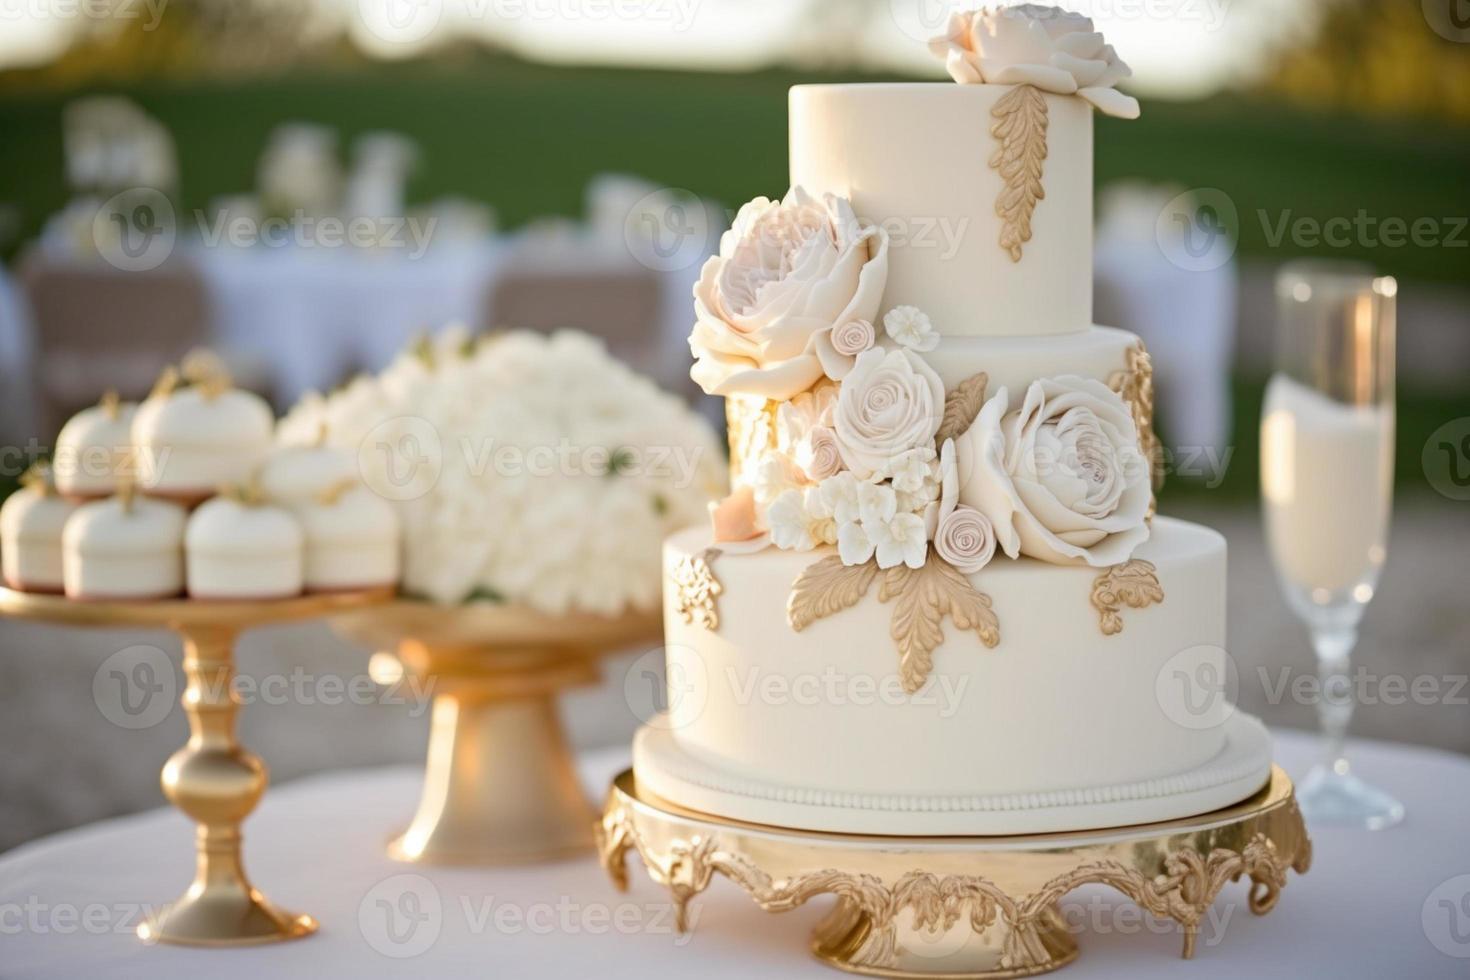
{"points": [[1372, 905]]}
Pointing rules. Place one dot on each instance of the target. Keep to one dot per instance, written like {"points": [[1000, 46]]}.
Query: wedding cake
{"points": [[938, 599]]}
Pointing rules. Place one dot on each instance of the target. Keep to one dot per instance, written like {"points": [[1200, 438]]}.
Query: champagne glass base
{"points": [[1333, 799]]}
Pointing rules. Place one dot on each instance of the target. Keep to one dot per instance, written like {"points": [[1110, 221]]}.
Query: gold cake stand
{"points": [[960, 906], [500, 784], [213, 779]]}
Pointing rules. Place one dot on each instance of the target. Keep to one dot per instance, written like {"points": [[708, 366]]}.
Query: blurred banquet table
{"points": [[1395, 903], [316, 315]]}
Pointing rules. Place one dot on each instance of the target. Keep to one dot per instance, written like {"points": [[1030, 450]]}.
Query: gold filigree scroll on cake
{"points": [[961, 906], [1020, 128], [1135, 383], [696, 589], [1133, 583]]}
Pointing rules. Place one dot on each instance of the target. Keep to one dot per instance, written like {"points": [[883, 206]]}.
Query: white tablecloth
{"points": [[1368, 908]]}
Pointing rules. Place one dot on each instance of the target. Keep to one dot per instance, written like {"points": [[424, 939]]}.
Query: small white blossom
{"points": [[853, 544], [900, 541], [774, 475], [910, 470], [840, 497], [799, 521], [912, 328], [877, 503]]}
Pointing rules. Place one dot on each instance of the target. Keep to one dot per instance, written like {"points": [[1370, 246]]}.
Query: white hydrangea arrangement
{"points": [[525, 468]]}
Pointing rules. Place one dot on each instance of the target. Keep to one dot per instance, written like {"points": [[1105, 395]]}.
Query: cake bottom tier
{"points": [[1240, 769], [1062, 725]]}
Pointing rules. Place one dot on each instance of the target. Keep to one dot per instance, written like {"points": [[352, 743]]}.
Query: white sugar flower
{"points": [[909, 471], [840, 497], [854, 546], [774, 475], [912, 328], [877, 503], [798, 521], [899, 541]]}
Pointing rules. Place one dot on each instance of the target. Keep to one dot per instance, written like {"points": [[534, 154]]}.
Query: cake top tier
{"points": [[969, 204]]}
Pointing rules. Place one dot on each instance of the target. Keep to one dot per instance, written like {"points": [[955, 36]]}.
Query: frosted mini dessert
{"points": [[124, 547], [31, 521], [297, 475], [195, 432], [352, 539], [93, 449], [239, 547]]}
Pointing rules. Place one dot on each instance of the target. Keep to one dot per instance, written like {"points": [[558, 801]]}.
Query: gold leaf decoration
{"points": [[1133, 583], [1020, 127], [961, 406], [925, 595], [1135, 383], [826, 587], [696, 588]]}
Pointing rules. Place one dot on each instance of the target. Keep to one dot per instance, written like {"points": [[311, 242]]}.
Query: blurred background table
{"points": [[565, 919]]}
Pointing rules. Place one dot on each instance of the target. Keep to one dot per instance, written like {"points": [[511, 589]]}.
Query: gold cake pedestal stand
{"points": [[960, 906], [213, 779], [500, 784]]}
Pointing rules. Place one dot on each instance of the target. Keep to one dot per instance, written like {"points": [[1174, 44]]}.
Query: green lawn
{"points": [[527, 137]]}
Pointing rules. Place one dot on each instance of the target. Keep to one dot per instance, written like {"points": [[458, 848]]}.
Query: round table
{"points": [[1395, 903]]}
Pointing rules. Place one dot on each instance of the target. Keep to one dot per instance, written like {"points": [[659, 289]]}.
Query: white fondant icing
{"points": [[1240, 768], [351, 543], [1056, 706], [912, 158]]}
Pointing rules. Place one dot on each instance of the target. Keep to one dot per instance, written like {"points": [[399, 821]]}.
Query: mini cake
{"points": [[93, 449], [125, 547], [239, 547], [298, 475], [351, 539], [193, 438], [30, 534]]}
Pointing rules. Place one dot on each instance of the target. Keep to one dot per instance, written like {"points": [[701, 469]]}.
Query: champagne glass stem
{"points": [[1335, 702]]}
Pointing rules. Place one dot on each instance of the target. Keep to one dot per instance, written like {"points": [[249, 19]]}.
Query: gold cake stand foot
{"points": [[500, 785], [500, 782], [213, 779], [960, 906]]}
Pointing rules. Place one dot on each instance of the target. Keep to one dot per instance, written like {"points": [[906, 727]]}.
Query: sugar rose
{"points": [[1061, 478], [787, 274], [892, 402]]}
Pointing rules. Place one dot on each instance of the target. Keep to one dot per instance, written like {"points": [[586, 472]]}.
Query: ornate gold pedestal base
{"points": [[961, 906], [500, 784], [213, 779]]}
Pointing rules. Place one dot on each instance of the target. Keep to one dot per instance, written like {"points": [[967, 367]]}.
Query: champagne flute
{"points": [[1327, 434]]}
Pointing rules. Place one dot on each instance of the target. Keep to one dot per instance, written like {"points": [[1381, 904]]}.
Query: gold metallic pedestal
{"points": [[213, 779], [961, 906], [500, 785]]}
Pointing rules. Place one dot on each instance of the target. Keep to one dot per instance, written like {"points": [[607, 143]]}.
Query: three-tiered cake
{"points": [[938, 600]]}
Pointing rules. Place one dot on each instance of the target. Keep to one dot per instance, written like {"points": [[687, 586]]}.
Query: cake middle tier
{"points": [[1058, 705], [916, 158]]}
